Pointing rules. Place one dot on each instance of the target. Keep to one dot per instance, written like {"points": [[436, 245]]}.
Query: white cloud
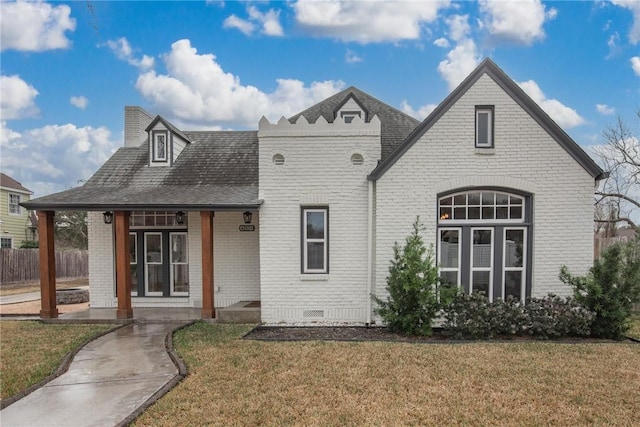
{"points": [[17, 98], [460, 62], [351, 57], [458, 27], [565, 117], [269, 22], [635, 64], [367, 21], [605, 109], [516, 21], [123, 51], [441, 42], [54, 157], [421, 113], [612, 43], [198, 92], [634, 8], [35, 26], [244, 26], [79, 101]]}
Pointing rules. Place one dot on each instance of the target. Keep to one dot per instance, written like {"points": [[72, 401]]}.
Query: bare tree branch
{"points": [[619, 196]]}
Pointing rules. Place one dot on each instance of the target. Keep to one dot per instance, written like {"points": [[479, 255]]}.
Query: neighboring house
{"points": [[15, 222], [302, 214]]}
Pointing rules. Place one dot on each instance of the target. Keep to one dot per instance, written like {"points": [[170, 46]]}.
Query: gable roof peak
{"points": [[168, 125], [511, 88]]}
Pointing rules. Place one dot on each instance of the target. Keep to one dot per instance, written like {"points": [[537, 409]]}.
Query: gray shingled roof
{"points": [[396, 125], [217, 170]]}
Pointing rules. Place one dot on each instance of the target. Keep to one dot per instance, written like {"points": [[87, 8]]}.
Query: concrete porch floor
{"points": [[236, 313]]}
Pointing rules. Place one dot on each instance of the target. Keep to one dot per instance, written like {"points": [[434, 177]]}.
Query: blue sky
{"points": [[69, 68]]}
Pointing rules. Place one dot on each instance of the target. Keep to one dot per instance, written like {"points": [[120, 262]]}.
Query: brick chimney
{"points": [[136, 120]]}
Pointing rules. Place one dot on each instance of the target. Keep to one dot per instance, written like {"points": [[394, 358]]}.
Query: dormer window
{"points": [[348, 116], [160, 147]]}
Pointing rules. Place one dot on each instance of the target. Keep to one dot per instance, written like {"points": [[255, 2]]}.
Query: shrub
{"points": [[29, 244], [555, 317], [412, 303], [473, 316], [610, 289]]}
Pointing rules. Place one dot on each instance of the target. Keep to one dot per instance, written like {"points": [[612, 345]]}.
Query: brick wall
{"points": [[317, 172], [525, 158]]}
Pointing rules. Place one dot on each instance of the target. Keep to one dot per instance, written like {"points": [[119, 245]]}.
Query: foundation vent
{"points": [[312, 313]]}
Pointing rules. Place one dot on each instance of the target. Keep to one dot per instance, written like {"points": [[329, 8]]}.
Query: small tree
{"points": [[610, 289], [412, 302]]}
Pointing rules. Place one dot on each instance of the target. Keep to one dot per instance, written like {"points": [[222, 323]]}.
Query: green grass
{"points": [[31, 351], [241, 382]]}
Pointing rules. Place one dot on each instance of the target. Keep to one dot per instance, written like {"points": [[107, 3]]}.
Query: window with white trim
{"points": [[14, 204], [315, 240], [484, 242], [484, 126], [160, 146]]}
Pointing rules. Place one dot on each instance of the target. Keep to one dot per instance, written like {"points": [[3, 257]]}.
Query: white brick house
{"points": [[302, 214]]}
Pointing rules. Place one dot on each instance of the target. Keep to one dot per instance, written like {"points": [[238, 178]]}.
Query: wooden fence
{"points": [[20, 265], [602, 243]]}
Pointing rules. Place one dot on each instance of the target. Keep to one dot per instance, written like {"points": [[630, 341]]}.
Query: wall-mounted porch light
{"points": [[108, 217], [180, 217], [247, 217]]}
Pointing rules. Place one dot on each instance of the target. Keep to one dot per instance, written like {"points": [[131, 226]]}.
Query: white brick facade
{"points": [[317, 172], [525, 158]]}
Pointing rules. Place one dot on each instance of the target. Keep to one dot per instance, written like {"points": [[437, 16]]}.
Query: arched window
{"points": [[484, 242]]}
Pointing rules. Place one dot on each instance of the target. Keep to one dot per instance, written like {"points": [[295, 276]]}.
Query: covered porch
{"points": [[203, 279]]}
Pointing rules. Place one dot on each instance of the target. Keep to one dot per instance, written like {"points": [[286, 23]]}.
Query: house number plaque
{"points": [[245, 227]]}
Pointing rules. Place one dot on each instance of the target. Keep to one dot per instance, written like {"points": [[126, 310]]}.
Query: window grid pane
{"points": [[484, 206]]}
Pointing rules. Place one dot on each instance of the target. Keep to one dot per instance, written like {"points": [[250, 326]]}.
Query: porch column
{"points": [[123, 272], [47, 252], [208, 306]]}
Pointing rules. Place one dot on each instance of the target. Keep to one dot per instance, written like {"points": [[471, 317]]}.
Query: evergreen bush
{"points": [[412, 301], [610, 289]]}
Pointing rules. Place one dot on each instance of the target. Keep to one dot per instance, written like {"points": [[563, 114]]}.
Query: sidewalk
{"points": [[107, 381]]}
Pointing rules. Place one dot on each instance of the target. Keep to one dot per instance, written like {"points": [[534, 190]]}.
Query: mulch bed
{"points": [[361, 333]]}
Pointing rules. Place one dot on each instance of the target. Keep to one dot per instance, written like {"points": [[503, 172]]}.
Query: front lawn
{"points": [[31, 351], [240, 382]]}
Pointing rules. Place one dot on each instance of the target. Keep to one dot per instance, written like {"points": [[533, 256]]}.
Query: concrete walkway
{"points": [[108, 379]]}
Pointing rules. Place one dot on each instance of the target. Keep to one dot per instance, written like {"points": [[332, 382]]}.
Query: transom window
{"points": [[14, 204], [484, 126], [483, 242], [315, 240], [155, 219], [481, 205]]}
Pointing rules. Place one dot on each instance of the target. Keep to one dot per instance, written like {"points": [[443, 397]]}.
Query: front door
{"points": [[159, 263]]}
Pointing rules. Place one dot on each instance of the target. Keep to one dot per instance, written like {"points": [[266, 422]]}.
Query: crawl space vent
{"points": [[313, 313]]}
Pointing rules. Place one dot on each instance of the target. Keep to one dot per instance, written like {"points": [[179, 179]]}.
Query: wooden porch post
{"points": [[123, 272], [47, 265], [208, 305]]}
